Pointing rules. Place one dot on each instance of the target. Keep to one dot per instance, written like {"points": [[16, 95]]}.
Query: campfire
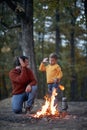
{"points": [[50, 108]]}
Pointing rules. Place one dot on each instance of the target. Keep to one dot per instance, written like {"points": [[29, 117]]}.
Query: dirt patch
{"points": [[76, 119]]}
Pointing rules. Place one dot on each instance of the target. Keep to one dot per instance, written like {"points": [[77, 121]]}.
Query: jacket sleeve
{"points": [[42, 67], [32, 79], [15, 77]]}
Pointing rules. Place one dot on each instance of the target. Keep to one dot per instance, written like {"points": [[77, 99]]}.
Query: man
{"points": [[24, 85]]}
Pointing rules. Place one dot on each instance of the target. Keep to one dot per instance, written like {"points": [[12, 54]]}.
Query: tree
{"points": [[27, 33], [26, 15], [72, 43]]}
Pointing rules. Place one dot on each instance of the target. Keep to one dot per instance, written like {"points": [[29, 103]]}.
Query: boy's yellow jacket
{"points": [[52, 72]]}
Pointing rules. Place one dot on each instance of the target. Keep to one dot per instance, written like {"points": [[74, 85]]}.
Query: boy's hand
{"points": [[56, 80], [45, 60]]}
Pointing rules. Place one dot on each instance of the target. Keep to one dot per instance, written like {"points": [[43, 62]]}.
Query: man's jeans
{"points": [[17, 100]]}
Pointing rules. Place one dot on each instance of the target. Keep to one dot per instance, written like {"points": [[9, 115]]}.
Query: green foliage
{"points": [[9, 47]]}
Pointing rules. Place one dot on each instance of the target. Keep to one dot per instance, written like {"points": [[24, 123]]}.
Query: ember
{"points": [[49, 108]]}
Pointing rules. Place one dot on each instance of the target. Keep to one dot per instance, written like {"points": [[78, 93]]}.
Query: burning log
{"points": [[50, 109]]}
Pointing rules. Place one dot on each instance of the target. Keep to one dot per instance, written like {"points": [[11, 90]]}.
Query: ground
{"points": [[76, 118]]}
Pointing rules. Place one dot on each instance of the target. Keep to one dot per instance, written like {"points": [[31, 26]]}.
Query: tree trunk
{"points": [[5, 91], [58, 39], [85, 11], [72, 43], [27, 43]]}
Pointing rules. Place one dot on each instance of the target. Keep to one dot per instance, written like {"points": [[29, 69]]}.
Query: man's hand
{"points": [[22, 62], [28, 88], [45, 60]]}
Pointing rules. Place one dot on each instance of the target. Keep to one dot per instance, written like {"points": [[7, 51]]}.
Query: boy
{"points": [[53, 72]]}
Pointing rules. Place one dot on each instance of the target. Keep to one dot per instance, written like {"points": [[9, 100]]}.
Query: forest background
{"points": [[36, 28]]}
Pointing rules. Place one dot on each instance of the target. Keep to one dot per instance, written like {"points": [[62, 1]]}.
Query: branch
{"points": [[11, 4], [10, 27], [15, 26], [4, 24], [17, 8]]}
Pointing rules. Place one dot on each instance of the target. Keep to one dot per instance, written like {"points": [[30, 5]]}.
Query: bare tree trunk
{"points": [[72, 43], [4, 91], [58, 39], [27, 43], [84, 84], [85, 10]]}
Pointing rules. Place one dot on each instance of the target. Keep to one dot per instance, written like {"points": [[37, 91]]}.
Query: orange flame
{"points": [[48, 108], [61, 87]]}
